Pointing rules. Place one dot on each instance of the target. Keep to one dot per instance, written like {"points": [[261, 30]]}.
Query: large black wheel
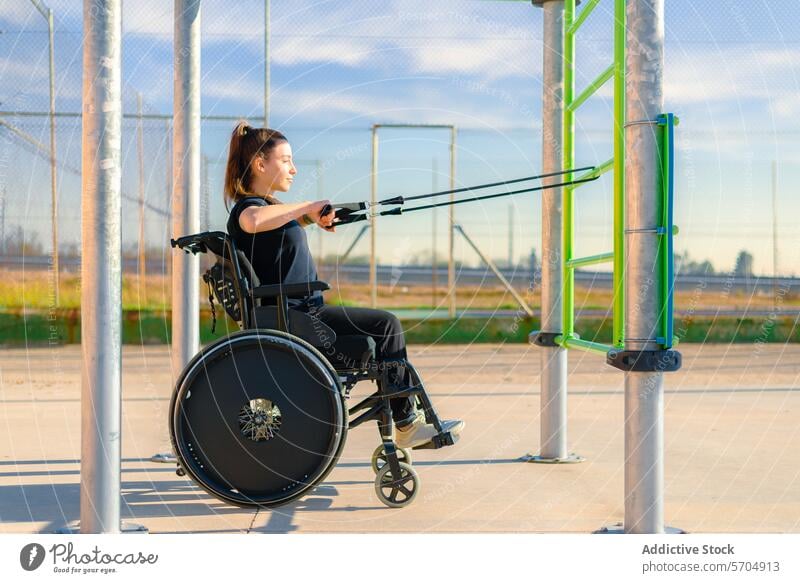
{"points": [[258, 418]]}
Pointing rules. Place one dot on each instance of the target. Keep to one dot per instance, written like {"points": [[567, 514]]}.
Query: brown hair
{"points": [[246, 143]]}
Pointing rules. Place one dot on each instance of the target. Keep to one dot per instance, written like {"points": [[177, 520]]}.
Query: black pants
{"points": [[390, 344]]}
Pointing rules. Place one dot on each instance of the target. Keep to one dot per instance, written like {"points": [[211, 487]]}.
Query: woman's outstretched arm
{"points": [[257, 219]]}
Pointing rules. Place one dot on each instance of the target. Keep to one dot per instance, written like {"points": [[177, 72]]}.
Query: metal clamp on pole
{"points": [[540, 338], [645, 360]]}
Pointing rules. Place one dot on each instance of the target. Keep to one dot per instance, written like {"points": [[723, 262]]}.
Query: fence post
{"points": [[186, 182], [644, 391], [553, 400], [101, 268]]}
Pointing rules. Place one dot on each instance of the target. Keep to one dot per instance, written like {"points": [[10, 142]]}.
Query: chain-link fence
{"points": [[337, 68]]}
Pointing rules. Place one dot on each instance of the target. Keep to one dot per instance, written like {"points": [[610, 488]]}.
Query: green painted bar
{"points": [[583, 16], [590, 260], [619, 173], [568, 300], [587, 345], [663, 246], [592, 88], [598, 171]]}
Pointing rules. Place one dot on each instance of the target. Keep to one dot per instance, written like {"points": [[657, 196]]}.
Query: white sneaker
{"points": [[418, 432]]}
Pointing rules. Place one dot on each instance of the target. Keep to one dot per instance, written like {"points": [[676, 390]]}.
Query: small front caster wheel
{"points": [[400, 491], [180, 471], [379, 457]]}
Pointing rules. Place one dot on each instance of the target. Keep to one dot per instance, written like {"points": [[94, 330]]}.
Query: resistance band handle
{"points": [[346, 216], [395, 200], [394, 211]]}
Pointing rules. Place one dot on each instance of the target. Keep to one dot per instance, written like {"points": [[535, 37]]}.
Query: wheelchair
{"points": [[259, 417]]}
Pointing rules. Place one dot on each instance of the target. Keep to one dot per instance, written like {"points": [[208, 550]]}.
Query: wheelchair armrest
{"points": [[201, 242], [290, 290]]}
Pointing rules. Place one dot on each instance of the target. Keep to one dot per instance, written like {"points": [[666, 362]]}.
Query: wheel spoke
{"points": [[405, 491]]}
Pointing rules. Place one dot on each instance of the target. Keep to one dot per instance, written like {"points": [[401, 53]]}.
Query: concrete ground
{"points": [[732, 461]]}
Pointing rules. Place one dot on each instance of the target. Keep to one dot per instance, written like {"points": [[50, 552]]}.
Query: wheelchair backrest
{"points": [[222, 283], [230, 280]]}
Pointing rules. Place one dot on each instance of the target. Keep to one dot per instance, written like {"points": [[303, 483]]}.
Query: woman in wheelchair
{"points": [[271, 235]]}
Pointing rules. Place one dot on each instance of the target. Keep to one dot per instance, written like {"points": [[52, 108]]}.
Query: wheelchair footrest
{"points": [[441, 440]]}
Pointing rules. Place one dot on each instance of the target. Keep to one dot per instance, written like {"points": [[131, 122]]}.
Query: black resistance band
{"points": [[348, 212]]}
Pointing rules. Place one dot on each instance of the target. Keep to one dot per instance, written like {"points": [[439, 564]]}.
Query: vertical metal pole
{"points": [[53, 189], [168, 185], [451, 269], [553, 359], [140, 153], [373, 275], [510, 235], [319, 197], [266, 63], [101, 273], [644, 391], [434, 270], [186, 185], [775, 234], [3, 221], [205, 194]]}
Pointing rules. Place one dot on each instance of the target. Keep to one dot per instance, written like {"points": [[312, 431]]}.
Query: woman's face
{"points": [[276, 171]]}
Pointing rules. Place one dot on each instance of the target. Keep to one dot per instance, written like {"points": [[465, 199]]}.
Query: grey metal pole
{"points": [[373, 272], [205, 194], [3, 221], [320, 233], [53, 182], [644, 391], [510, 235], [47, 13], [553, 359], [774, 234], [266, 62], [186, 182], [434, 271], [451, 268], [140, 154], [168, 186], [101, 273]]}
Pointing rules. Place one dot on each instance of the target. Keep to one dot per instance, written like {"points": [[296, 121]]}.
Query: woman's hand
{"points": [[325, 220]]}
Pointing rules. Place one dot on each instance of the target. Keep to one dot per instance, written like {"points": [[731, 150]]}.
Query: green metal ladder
{"points": [[615, 71]]}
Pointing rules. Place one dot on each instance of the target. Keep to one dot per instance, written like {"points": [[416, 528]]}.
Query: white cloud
{"points": [[734, 75], [405, 35], [21, 14]]}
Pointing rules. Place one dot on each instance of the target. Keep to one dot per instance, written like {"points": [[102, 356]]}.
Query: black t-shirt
{"points": [[277, 256]]}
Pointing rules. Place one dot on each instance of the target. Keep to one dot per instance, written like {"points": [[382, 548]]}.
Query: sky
{"points": [[731, 75]]}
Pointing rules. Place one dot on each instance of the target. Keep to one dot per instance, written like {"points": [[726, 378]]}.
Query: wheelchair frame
{"points": [[241, 295]]}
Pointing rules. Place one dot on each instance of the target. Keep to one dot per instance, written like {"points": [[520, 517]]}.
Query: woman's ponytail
{"points": [[246, 143]]}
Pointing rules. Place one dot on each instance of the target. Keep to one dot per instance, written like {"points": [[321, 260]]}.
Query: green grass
{"points": [[154, 327]]}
